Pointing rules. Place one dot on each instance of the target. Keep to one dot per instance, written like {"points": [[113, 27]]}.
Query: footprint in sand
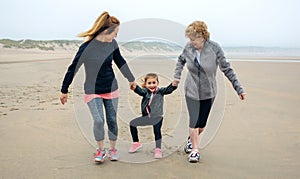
{"points": [[13, 109]]}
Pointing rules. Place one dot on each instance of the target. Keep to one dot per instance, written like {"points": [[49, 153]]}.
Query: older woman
{"points": [[202, 56]]}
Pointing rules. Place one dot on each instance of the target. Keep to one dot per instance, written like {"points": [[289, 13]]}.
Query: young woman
{"points": [[101, 88], [152, 111], [202, 56]]}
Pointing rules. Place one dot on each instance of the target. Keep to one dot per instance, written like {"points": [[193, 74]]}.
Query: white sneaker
{"points": [[188, 147], [194, 157]]}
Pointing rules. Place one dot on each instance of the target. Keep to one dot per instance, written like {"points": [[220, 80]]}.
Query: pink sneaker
{"points": [[99, 156], [113, 156], [135, 146], [157, 153]]}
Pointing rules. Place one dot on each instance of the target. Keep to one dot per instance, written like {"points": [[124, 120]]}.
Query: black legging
{"points": [[144, 121], [198, 111]]}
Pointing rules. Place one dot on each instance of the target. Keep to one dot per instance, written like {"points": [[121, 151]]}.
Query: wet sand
{"points": [[40, 138]]}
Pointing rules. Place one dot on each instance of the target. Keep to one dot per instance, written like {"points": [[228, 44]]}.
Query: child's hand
{"points": [[132, 85]]}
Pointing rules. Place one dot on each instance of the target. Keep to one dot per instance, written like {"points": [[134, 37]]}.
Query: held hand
{"points": [[243, 96], [132, 85], [63, 98], [175, 83]]}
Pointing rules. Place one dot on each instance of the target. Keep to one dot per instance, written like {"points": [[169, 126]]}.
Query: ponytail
{"points": [[103, 22]]}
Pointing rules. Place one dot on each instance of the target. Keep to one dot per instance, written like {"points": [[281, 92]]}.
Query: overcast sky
{"points": [[230, 22]]}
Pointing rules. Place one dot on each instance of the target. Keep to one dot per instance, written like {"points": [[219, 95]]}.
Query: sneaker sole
{"points": [[113, 159], [102, 161], [158, 157], [99, 161], [193, 160]]}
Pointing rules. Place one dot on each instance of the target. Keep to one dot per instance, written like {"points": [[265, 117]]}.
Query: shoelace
{"points": [[114, 152], [195, 154]]}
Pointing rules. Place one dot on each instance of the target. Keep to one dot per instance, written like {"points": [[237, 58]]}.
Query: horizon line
{"points": [[225, 46]]}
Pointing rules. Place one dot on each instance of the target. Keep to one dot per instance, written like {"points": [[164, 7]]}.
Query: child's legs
{"points": [[140, 121], [134, 134], [111, 117], [96, 110], [157, 131]]}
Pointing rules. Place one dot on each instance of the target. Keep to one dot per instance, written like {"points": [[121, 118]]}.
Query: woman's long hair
{"points": [[103, 22]]}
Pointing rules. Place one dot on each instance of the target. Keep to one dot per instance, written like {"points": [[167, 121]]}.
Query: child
{"points": [[152, 111]]}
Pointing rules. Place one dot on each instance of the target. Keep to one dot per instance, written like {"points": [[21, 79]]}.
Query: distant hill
{"points": [[40, 44], [146, 47], [132, 46]]}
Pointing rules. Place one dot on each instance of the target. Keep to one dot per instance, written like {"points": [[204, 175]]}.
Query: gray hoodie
{"points": [[200, 82]]}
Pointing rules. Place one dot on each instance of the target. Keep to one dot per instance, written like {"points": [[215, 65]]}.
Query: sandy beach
{"points": [[40, 138]]}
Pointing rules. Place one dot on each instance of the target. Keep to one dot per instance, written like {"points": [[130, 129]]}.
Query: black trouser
{"points": [[198, 111], [145, 121]]}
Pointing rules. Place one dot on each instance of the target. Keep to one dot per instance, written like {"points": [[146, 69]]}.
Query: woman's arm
{"points": [[225, 67], [122, 65], [73, 68], [179, 67]]}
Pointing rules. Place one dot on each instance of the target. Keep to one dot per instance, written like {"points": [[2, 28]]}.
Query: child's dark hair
{"points": [[149, 75]]}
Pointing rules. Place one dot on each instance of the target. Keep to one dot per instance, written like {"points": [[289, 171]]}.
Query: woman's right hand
{"points": [[132, 85], [63, 98], [243, 96]]}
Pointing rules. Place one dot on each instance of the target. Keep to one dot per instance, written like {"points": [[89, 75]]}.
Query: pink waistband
{"points": [[111, 95]]}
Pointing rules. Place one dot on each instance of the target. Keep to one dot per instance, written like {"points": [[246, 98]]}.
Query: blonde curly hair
{"points": [[197, 29]]}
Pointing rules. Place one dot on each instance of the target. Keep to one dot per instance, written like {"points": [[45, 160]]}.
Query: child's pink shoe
{"points": [[157, 153], [135, 146]]}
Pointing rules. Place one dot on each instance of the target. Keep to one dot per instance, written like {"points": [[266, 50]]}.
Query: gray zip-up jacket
{"points": [[157, 104], [200, 82]]}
